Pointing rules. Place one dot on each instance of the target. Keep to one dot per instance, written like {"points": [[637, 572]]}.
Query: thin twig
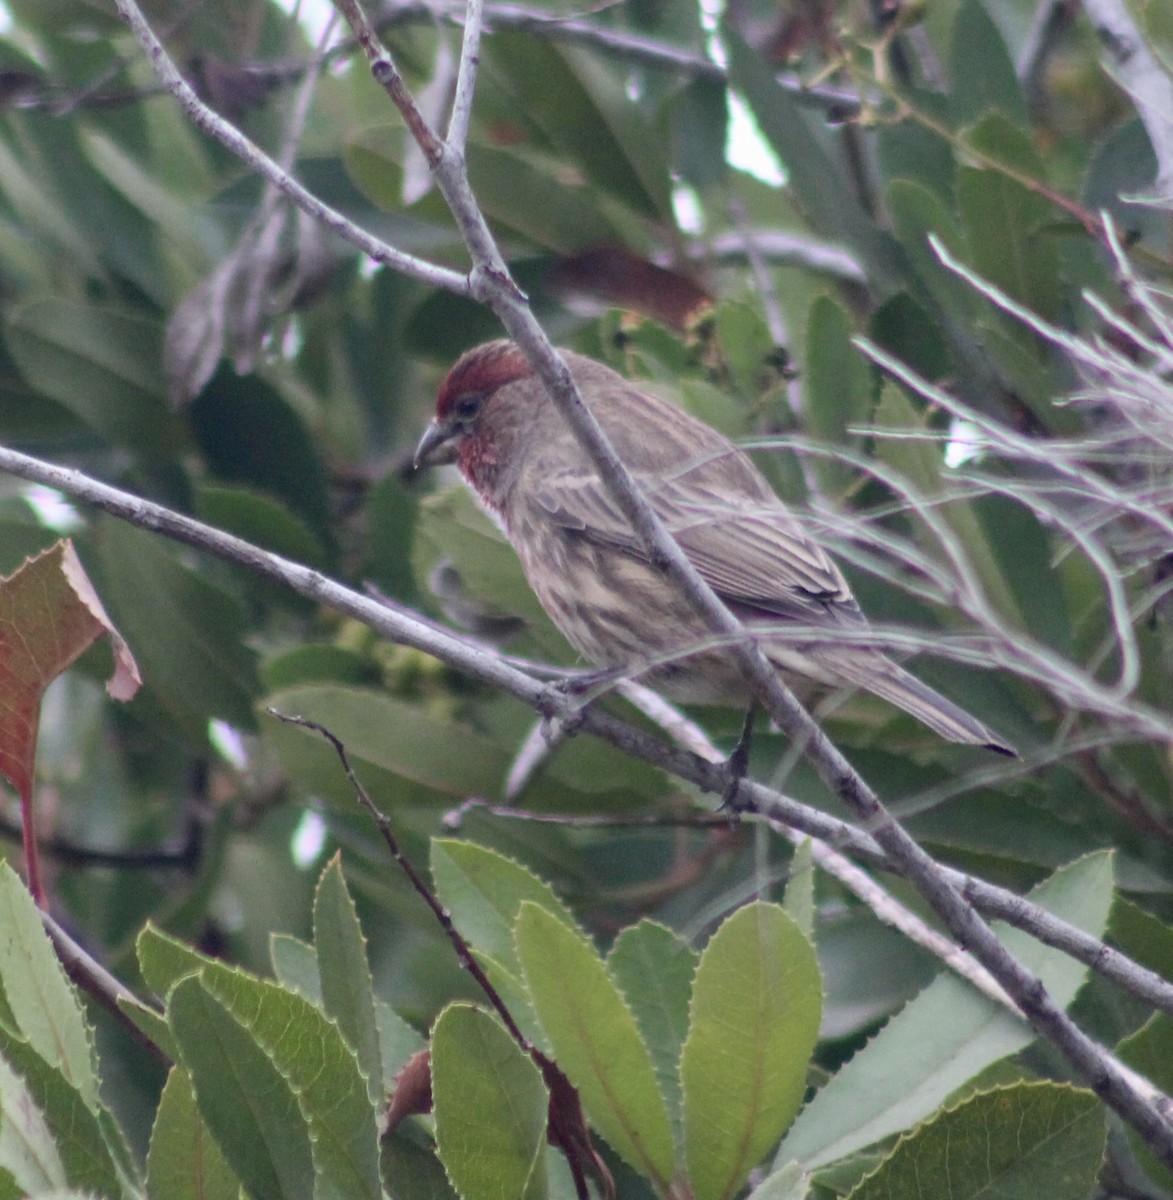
{"points": [[398, 623], [89, 975], [229, 136]]}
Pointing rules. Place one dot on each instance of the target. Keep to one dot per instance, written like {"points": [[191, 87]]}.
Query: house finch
{"points": [[592, 574]]}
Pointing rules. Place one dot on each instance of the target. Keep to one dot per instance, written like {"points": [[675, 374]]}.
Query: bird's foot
{"points": [[737, 764], [557, 722]]}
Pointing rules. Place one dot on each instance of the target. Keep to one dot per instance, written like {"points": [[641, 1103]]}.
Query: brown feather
{"points": [[593, 575]]}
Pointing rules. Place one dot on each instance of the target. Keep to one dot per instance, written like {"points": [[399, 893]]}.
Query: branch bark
{"points": [[490, 282]]}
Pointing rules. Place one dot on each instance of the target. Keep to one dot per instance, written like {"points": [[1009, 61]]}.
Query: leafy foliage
{"points": [[945, 338]]}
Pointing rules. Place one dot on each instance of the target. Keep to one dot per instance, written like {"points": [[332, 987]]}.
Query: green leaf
{"points": [[1005, 223], [71, 1119], [312, 1056], [184, 1162], [165, 960], [580, 107], [786, 1183], [260, 519], [1022, 548], [295, 964], [1032, 1139], [756, 1004], [983, 73], [1150, 1051], [99, 363], [187, 633], [483, 891], [654, 968], [799, 901], [947, 1035], [413, 1172], [27, 1150], [700, 121], [596, 1041], [252, 436], [814, 175], [393, 735], [40, 997], [398, 1041], [151, 1023], [251, 1109], [490, 1106], [922, 464], [916, 212], [838, 388], [347, 990], [558, 215]]}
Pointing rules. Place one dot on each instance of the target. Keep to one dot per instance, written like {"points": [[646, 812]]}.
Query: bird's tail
{"points": [[885, 679]]}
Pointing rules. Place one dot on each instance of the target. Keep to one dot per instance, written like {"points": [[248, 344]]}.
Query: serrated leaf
{"points": [[184, 1162], [71, 1120], [754, 1020], [947, 1035], [165, 960], [398, 1040], [151, 1023], [41, 998], [250, 1108], [296, 1039], [347, 989], [491, 1108], [27, 1150], [483, 891], [596, 1041], [654, 968], [1032, 1139], [312, 1056], [295, 964]]}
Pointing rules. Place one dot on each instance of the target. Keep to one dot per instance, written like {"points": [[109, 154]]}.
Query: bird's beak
{"points": [[436, 447]]}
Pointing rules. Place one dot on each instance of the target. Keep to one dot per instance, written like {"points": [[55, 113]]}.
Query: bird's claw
{"points": [[737, 765]]}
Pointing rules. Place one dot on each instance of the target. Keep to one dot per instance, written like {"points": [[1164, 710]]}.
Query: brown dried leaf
{"points": [[49, 615], [413, 1090]]}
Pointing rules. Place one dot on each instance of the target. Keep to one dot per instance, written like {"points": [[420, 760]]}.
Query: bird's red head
{"points": [[456, 433], [480, 372]]}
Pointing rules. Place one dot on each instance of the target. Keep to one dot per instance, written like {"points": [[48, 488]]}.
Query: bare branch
{"points": [[401, 625], [228, 135]]}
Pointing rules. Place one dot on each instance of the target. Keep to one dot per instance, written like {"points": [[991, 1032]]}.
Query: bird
{"points": [[593, 574]]}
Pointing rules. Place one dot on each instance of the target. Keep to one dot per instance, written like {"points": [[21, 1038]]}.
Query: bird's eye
{"points": [[469, 406]]}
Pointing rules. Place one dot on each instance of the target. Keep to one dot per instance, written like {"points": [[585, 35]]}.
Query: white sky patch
{"points": [[53, 510], [314, 16], [308, 840], [229, 743], [965, 443], [746, 149], [687, 207]]}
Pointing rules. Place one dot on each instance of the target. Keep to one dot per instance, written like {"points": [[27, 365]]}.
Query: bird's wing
{"points": [[749, 549]]}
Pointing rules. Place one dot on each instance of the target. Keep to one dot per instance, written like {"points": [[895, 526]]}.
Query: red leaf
{"points": [[49, 615]]}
